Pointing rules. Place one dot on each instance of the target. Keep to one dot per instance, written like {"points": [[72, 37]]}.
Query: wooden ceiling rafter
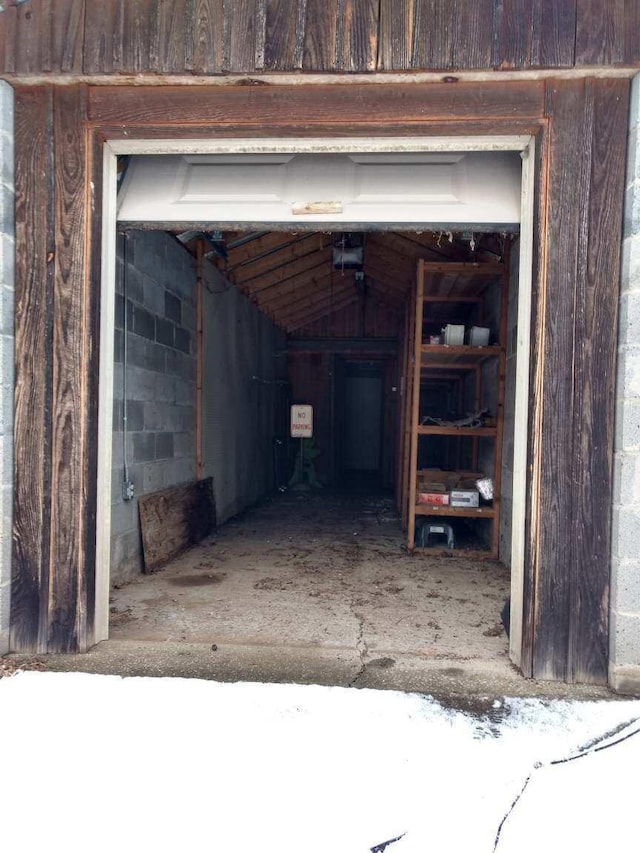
{"points": [[304, 320], [274, 258], [323, 297], [288, 272]]}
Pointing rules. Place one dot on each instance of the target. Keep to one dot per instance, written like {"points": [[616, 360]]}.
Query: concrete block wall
{"points": [[624, 657], [7, 262], [160, 378]]}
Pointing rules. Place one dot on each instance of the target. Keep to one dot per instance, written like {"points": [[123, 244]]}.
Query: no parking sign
{"points": [[301, 421]]}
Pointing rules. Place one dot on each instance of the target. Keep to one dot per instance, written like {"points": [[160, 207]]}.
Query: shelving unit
{"points": [[461, 378]]}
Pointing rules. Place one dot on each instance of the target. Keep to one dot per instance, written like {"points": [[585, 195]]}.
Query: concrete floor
{"points": [[318, 588]]}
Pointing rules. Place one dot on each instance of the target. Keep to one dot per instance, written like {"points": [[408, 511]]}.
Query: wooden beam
{"points": [[246, 105], [54, 552], [34, 175]]}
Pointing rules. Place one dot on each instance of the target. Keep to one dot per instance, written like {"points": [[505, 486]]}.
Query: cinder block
{"points": [[7, 261], [626, 640], [178, 471], [141, 384], [164, 390], [634, 103], [633, 159], [124, 517], [184, 444], [184, 393], [626, 479], [189, 316], [153, 478], [153, 294], [172, 307], [625, 533], [165, 332], [164, 445], [625, 586], [144, 446], [629, 319], [632, 210], [630, 263], [183, 340], [135, 415], [143, 323], [627, 426], [155, 416]]}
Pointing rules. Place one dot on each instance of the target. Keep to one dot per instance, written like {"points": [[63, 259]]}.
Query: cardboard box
{"points": [[433, 498], [465, 498]]}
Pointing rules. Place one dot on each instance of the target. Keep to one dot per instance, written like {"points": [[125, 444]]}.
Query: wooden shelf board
{"points": [[456, 552], [472, 432], [461, 357], [459, 511]]}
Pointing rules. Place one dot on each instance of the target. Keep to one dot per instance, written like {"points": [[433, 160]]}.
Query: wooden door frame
{"points": [[580, 128]]}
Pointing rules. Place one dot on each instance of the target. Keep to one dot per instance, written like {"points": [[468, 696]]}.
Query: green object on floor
{"points": [[304, 471]]}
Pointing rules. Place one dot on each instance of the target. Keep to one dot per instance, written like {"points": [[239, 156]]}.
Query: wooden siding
{"points": [[581, 127], [569, 598], [56, 415], [203, 37]]}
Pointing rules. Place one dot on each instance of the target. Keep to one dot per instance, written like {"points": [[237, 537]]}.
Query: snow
{"points": [[101, 763]]}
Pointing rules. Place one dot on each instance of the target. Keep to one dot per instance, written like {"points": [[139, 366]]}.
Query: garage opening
{"points": [[346, 536]]}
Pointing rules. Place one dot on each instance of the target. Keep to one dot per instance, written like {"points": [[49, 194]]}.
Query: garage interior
{"points": [[341, 540]]}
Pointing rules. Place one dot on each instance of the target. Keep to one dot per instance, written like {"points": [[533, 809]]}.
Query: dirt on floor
{"points": [[324, 569]]}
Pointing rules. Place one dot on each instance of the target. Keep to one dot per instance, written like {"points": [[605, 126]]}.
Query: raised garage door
{"points": [[459, 188]]}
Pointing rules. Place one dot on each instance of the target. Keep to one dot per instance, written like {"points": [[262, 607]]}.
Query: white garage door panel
{"points": [[417, 187]]}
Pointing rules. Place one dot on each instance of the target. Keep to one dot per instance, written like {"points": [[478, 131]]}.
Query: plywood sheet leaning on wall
{"points": [[175, 519]]}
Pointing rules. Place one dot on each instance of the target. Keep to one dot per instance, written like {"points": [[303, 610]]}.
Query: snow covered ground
{"points": [[97, 763]]}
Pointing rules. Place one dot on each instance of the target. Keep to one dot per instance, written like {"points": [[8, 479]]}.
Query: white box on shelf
{"points": [[453, 335], [478, 336], [464, 497]]}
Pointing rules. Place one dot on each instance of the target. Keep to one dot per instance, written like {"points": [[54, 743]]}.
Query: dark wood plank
{"points": [[596, 310], [8, 38], [100, 21], [567, 195], [34, 328], [175, 519], [397, 30], [600, 31], [29, 23], [357, 35], [512, 34], [472, 34], [207, 34], [244, 23], [433, 40], [631, 42], [246, 105], [66, 26], [136, 34], [554, 33], [320, 37], [285, 29], [168, 53], [71, 369]]}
